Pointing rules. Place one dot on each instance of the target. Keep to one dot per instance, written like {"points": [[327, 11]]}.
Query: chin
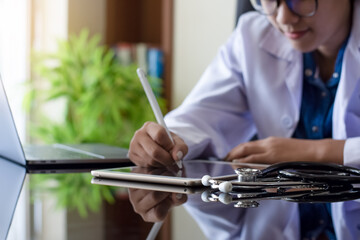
{"points": [[303, 47]]}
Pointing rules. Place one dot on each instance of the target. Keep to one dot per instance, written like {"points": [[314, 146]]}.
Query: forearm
{"points": [[329, 150], [274, 149]]}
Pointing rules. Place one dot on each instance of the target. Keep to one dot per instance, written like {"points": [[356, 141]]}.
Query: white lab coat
{"points": [[254, 85]]}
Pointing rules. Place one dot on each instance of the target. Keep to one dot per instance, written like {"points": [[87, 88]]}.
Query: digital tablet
{"points": [[148, 186], [189, 175]]}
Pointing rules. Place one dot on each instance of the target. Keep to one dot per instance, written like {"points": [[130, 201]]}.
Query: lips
{"points": [[295, 34]]}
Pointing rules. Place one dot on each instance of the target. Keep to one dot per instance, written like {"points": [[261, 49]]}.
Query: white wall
{"points": [[49, 24], [94, 18], [201, 26], [14, 49]]}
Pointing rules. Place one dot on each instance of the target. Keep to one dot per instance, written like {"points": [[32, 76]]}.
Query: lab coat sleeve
{"points": [[346, 220], [352, 157], [215, 117], [352, 152], [345, 215]]}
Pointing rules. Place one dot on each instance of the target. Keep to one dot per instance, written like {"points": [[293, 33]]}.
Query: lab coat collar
{"points": [[275, 43], [355, 31]]}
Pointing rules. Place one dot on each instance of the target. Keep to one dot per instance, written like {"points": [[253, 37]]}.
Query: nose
{"points": [[284, 16]]}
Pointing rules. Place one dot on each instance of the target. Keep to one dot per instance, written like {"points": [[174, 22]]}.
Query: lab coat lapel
{"points": [[346, 116], [279, 46]]}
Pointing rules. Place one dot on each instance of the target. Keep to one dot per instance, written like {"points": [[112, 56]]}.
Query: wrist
{"points": [[330, 150]]}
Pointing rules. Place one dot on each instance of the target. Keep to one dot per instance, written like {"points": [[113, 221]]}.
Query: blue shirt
{"points": [[318, 100], [316, 123]]}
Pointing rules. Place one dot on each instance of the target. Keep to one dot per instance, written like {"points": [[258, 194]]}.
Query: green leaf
{"points": [[104, 103]]}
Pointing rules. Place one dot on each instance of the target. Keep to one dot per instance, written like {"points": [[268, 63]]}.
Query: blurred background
{"points": [[174, 40]]}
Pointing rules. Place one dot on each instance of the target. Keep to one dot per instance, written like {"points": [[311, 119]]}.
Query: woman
{"points": [[293, 78]]}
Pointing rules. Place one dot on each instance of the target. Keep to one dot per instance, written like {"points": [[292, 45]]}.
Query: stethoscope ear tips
{"points": [[209, 196], [205, 196], [205, 180], [225, 187], [225, 198]]}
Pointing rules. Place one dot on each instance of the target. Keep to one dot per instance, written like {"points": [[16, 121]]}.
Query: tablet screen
{"points": [[189, 175]]}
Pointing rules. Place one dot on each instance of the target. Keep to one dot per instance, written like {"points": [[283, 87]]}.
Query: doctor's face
{"points": [[324, 31]]}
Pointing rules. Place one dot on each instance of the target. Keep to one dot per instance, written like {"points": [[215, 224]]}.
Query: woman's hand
{"points": [[274, 149], [152, 147], [153, 206]]}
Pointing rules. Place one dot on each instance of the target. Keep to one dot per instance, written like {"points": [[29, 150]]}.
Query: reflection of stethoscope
{"points": [[292, 181]]}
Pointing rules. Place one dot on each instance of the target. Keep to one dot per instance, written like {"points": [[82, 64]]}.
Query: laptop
{"points": [[54, 155], [12, 177]]}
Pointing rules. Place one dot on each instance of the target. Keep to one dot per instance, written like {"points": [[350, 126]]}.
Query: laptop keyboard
{"points": [[38, 152]]}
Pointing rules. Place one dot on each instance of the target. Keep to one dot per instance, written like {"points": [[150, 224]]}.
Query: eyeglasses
{"points": [[301, 8]]}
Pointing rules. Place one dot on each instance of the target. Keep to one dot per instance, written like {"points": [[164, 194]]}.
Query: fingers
{"points": [[272, 150], [180, 149], [143, 200], [158, 213], [147, 153], [161, 210], [245, 150], [178, 199], [255, 158], [151, 146], [159, 135], [155, 154], [153, 206]]}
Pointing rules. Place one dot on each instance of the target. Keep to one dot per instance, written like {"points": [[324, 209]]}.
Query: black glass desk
{"points": [[69, 206], [66, 206]]}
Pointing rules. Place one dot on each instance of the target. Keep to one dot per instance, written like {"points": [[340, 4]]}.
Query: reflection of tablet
{"points": [[190, 175], [148, 186]]}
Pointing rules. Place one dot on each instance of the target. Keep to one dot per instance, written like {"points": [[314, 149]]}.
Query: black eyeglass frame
{"points": [[255, 6]]}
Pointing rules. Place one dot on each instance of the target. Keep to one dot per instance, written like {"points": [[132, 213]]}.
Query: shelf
{"points": [[145, 21]]}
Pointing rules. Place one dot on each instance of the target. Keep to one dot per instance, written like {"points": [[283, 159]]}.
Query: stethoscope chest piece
{"points": [[247, 174], [246, 204]]}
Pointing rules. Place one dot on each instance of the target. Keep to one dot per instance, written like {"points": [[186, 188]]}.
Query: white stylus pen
{"points": [[154, 104]]}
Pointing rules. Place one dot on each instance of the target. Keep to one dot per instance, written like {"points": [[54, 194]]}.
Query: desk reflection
{"points": [[154, 206], [236, 215], [52, 206], [11, 180], [134, 206]]}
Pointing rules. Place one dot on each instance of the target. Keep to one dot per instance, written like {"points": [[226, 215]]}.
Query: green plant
{"points": [[104, 102]]}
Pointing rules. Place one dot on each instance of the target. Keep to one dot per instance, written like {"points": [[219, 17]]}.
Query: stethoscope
{"points": [[291, 181]]}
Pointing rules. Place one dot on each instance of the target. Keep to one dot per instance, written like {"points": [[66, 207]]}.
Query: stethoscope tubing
{"points": [[300, 182], [340, 196], [309, 166], [326, 178]]}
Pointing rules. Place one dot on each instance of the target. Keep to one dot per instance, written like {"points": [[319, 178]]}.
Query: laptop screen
{"points": [[10, 145]]}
